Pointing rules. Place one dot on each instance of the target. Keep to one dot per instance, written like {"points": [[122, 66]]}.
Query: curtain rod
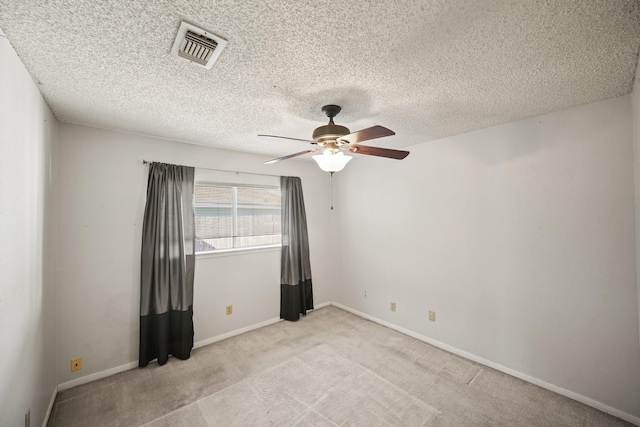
{"points": [[147, 162]]}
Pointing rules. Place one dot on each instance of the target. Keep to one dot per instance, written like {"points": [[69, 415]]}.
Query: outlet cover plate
{"points": [[76, 364]]}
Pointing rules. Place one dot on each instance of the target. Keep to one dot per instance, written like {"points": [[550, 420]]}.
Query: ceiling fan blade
{"points": [[294, 139], [377, 151], [279, 159], [366, 134]]}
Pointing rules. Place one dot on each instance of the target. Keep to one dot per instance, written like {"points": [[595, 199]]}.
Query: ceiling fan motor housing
{"points": [[332, 131], [329, 132]]}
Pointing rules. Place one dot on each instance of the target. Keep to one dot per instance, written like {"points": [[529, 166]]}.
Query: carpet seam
{"points": [[474, 377]]}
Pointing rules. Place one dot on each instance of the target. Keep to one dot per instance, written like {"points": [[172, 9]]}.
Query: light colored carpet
{"points": [[331, 368]]}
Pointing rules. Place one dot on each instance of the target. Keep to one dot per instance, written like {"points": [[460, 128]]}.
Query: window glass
{"points": [[236, 216]]}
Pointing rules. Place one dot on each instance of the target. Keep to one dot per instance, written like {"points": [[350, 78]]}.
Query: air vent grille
{"points": [[197, 45], [197, 48]]}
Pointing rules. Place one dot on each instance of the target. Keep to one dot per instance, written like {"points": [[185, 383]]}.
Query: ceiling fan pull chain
{"points": [[331, 192]]}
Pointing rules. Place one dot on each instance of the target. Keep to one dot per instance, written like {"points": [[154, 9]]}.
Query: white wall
{"points": [[27, 290], [102, 191], [521, 237], [635, 101]]}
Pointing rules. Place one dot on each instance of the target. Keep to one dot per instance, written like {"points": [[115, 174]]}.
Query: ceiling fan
{"points": [[332, 139]]}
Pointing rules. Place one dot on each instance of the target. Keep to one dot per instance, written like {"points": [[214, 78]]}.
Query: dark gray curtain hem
{"points": [[162, 335], [295, 300]]}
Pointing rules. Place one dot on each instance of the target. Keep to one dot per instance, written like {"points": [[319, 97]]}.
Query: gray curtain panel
{"points": [[168, 263], [296, 293]]}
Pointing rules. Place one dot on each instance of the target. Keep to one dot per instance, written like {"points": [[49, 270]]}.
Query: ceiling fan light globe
{"points": [[331, 162]]}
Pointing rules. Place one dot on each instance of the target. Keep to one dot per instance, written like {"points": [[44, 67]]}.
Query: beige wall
{"points": [[520, 237], [635, 101], [27, 290]]}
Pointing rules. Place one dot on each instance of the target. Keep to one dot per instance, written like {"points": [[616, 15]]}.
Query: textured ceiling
{"points": [[426, 69]]}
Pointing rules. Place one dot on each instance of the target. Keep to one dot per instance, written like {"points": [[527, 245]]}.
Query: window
{"points": [[230, 216]]}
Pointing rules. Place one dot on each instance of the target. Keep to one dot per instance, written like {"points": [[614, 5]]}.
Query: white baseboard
{"points": [[50, 408], [103, 374], [564, 392], [217, 338], [221, 337], [97, 376], [131, 365]]}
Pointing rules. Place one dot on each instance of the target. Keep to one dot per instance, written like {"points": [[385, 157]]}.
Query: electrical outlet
{"points": [[76, 364], [365, 293], [27, 418], [229, 310], [432, 316], [393, 306]]}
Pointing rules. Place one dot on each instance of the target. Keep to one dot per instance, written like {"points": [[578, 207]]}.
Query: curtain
{"points": [[296, 294], [168, 263]]}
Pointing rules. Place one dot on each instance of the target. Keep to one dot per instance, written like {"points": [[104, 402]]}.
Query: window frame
{"points": [[234, 211]]}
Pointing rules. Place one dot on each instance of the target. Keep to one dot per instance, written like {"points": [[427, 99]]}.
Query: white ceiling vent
{"points": [[197, 45]]}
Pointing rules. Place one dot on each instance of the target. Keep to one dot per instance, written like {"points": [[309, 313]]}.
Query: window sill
{"points": [[238, 251]]}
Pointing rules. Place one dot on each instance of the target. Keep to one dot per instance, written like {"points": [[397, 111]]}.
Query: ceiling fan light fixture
{"points": [[331, 162], [332, 138]]}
